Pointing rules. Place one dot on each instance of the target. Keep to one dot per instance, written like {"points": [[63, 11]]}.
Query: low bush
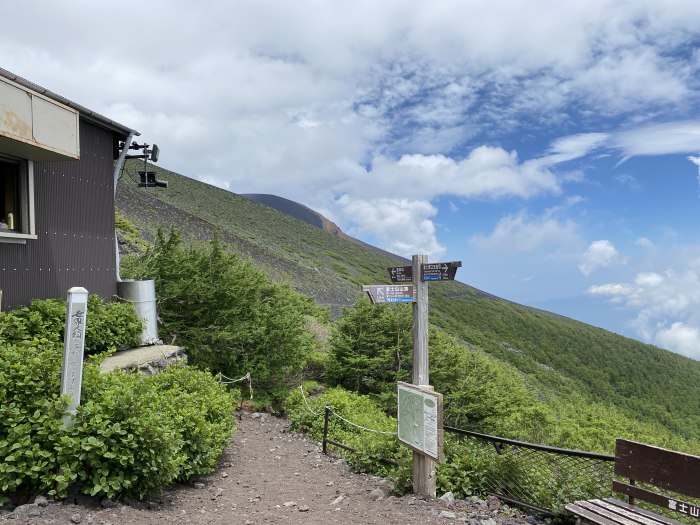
{"points": [[108, 325], [306, 415], [131, 435]]}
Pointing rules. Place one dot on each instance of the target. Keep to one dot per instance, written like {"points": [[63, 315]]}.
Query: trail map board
{"points": [[420, 420]]}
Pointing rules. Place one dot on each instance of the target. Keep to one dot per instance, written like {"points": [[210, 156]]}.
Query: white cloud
{"points": [[644, 243], [667, 303], [401, 226], [681, 338], [658, 139], [489, 172], [521, 233], [599, 254]]}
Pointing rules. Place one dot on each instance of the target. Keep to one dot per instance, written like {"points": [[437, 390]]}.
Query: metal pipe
{"points": [[118, 165], [533, 446]]}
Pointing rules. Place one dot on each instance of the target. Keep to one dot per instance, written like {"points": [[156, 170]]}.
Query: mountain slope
{"points": [[562, 357]]}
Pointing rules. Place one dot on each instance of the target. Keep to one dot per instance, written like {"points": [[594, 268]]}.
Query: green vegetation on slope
{"points": [[570, 365]]}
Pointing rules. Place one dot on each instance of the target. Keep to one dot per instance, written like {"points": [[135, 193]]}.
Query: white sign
{"points": [[420, 420], [73, 349]]}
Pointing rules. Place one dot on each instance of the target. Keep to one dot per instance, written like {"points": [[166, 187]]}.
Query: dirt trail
{"points": [[271, 475]]}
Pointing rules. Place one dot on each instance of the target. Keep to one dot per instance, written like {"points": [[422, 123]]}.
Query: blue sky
{"points": [[549, 145]]}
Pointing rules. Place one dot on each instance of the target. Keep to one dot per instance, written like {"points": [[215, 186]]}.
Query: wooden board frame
{"points": [[426, 392]]}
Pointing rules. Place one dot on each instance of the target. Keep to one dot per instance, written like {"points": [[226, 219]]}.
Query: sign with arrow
{"points": [[444, 271], [390, 294], [401, 274]]}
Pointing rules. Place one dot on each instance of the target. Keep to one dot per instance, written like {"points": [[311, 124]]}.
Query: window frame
{"points": [[26, 199]]}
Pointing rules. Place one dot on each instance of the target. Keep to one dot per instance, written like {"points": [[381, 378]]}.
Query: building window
{"points": [[16, 200]]}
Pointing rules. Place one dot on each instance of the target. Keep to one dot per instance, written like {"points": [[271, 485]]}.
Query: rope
{"points": [[229, 381], [361, 427], [301, 388]]}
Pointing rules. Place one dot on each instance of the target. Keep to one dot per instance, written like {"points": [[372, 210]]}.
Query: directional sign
{"points": [[390, 294], [401, 274], [444, 271]]}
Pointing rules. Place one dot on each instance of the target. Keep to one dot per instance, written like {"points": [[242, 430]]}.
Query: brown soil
{"points": [[271, 475]]}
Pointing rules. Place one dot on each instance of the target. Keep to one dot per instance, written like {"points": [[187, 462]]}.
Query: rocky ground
{"points": [[271, 475]]}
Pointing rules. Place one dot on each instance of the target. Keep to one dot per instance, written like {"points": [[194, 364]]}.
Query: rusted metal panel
{"points": [[74, 225], [660, 467], [36, 127]]}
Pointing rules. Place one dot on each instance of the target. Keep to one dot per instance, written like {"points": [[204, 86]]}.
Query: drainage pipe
{"points": [[118, 165]]}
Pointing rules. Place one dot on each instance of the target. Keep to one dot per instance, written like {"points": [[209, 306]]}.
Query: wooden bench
{"points": [[661, 468]]}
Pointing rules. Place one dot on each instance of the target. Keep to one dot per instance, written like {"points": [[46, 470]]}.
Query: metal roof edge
{"points": [[84, 112]]}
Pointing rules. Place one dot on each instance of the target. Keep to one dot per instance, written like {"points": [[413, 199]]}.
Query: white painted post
{"points": [[423, 466], [73, 349]]}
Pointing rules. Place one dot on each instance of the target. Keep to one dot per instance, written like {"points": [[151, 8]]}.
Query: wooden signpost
{"points": [[73, 348], [421, 428]]}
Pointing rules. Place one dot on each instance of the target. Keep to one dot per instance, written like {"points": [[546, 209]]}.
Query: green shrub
{"points": [[125, 441], [201, 411], [31, 438], [371, 348], [229, 316], [131, 434], [307, 416], [109, 325]]}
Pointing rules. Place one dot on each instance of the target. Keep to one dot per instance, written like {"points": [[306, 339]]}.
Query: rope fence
{"points": [[538, 477], [228, 381]]}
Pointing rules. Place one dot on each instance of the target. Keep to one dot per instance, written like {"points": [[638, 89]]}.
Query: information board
{"points": [[420, 420]]}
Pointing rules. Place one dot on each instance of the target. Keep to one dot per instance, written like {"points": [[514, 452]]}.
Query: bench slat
{"points": [[588, 515], [599, 507], [639, 510], [644, 517]]}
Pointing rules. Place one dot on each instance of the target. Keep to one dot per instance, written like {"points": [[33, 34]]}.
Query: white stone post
{"points": [[73, 349]]}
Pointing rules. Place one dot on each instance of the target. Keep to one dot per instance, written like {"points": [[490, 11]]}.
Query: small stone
{"points": [[377, 494], [219, 492], [256, 415], [337, 500], [224, 474], [488, 521], [199, 485], [76, 518], [448, 515], [448, 499], [89, 520], [31, 510], [303, 508], [532, 520], [329, 484], [493, 503], [290, 504], [41, 501], [477, 501]]}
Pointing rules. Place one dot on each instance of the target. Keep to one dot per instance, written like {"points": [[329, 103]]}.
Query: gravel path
{"points": [[271, 475]]}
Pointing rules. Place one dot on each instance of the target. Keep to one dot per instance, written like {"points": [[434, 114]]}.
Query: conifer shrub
{"points": [[230, 318]]}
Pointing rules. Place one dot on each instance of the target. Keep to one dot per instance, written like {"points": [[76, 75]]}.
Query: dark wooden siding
{"points": [[74, 225]]}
